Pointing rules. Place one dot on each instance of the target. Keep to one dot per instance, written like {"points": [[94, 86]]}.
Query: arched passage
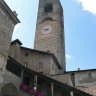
{"points": [[9, 90]]}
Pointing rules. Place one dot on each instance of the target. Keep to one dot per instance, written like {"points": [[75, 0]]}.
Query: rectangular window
{"points": [[40, 66], [26, 54]]}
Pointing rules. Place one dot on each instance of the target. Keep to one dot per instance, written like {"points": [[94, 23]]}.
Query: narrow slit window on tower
{"points": [[48, 7]]}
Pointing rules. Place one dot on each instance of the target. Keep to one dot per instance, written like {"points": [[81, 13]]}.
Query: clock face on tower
{"points": [[46, 29]]}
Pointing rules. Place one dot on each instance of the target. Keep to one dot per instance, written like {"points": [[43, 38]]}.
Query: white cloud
{"points": [[88, 5], [68, 56]]}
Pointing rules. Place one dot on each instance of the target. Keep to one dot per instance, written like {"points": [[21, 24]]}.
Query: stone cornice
{"points": [[9, 12]]}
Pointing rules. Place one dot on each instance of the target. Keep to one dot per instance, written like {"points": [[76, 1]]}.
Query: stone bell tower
{"points": [[49, 36]]}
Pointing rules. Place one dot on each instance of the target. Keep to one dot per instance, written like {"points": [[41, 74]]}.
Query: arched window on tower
{"points": [[48, 8]]}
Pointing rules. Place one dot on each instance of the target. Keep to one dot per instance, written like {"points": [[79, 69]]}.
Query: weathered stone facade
{"points": [[20, 79], [64, 78], [8, 20], [49, 36], [84, 80], [39, 61]]}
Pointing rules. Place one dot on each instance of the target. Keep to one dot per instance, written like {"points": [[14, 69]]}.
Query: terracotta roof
{"points": [[90, 90]]}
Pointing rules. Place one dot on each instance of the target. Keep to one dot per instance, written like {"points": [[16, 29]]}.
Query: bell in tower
{"points": [[49, 36]]}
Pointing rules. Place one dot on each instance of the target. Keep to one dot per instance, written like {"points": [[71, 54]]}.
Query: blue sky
{"points": [[80, 29]]}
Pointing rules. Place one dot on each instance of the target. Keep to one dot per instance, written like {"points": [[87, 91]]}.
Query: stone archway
{"points": [[9, 90]]}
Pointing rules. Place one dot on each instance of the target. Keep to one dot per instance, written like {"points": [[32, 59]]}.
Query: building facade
{"points": [[84, 80], [8, 20], [43, 62], [21, 81], [49, 36]]}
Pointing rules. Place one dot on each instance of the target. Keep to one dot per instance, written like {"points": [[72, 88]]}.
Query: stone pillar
{"points": [[71, 93], [35, 83], [52, 89]]}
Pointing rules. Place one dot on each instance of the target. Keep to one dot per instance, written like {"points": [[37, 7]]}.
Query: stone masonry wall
{"points": [[6, 30]]}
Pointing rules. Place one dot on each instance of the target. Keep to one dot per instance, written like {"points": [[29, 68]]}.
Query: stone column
{"points": [[35, 83], [71, 93], [52, 89]]}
